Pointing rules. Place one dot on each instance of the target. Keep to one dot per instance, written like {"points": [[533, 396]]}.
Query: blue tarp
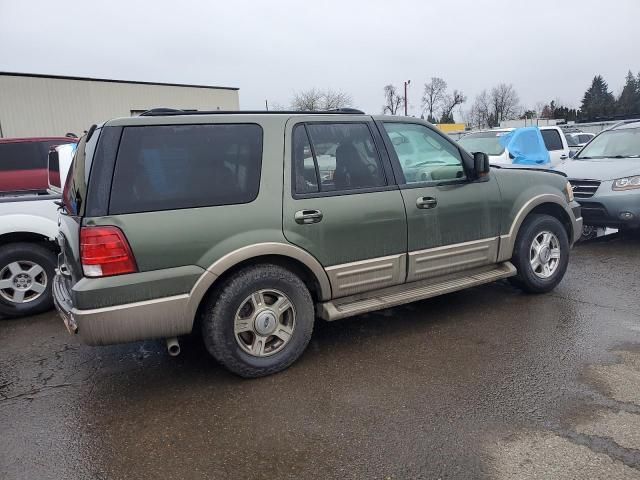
{"points": [[527, 146]]}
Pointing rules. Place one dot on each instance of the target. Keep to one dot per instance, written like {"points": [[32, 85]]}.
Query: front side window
{"points": [[424, 155], [551, 139], [335, 157], [186, 166]]}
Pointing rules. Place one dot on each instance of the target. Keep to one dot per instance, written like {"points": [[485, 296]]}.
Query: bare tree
{"points": [[478, 115], [504, 103], [315, 99], [336, 99], [434, 93], [449, 102], [392, 101]]}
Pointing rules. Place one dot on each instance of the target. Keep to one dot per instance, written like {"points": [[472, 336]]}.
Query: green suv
{"points": [[250, 225]]}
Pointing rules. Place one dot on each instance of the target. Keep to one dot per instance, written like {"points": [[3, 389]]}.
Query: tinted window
{"points": [[344, 157], [552, 139], [186, 166], [304, 166], [424, 155], [25, 155], [75, 187], [585, 138]]}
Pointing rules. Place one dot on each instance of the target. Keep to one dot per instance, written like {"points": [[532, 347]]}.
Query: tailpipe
{"points": [[173, 347]]}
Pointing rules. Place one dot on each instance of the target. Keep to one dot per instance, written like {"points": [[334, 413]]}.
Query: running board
{"points": [[407, 293]]}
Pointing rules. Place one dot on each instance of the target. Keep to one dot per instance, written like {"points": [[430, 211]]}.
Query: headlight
{"points": [[569, 190], [626, 183]]}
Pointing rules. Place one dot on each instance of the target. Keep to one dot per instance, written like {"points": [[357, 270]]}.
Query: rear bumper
{"points": [[157, 318]]}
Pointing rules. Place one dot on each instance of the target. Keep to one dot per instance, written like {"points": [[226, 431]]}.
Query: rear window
{"points": [[186, 166], [552, 139], [25, 155]]}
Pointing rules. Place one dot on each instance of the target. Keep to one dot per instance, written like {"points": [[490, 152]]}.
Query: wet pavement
{"points": [[485, 383]]}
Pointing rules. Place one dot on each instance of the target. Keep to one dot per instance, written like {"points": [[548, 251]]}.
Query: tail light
{"points": [[104, 252]]}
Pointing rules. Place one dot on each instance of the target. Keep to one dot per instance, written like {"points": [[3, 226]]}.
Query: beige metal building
{"points": [[47, 105]]}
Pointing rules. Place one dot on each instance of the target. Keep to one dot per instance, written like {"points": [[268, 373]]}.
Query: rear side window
{"points": [[552, 139], [336, 157], [584, 138], [186, 166], [25, 155]]}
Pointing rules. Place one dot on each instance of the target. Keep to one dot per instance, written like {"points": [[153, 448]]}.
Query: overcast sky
{"points": [[270, 49]]}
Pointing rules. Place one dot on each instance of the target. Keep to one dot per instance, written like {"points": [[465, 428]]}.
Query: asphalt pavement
{"points": [[483, 383]]}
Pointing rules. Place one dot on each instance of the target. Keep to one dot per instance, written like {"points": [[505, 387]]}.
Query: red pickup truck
{"points": [[23, 163]]}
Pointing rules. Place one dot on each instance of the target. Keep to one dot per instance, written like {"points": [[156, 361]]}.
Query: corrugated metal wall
{"points": [[35, 106]]}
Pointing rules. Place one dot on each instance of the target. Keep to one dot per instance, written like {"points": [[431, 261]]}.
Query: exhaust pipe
{"points": [[173, 347]]}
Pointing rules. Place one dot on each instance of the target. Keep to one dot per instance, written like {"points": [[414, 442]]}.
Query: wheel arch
{"points": [[28, 237], [548, 204], [291, 257]]}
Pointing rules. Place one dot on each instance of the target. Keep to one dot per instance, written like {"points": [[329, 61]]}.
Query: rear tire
{"points": [[259, 321], [26, 276], [541, 254]]}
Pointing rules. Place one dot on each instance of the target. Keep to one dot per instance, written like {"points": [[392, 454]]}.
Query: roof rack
{"points": [[161, 112]]}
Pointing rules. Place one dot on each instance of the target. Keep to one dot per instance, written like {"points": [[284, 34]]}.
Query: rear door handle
{"points": [[306, 217], [426, 202]]}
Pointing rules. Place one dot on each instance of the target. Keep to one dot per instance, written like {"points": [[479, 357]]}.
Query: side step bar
{"points": [[407, 293]]}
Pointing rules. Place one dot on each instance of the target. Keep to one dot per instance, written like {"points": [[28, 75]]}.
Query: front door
{"points": [[453, 221], [341, 203]]}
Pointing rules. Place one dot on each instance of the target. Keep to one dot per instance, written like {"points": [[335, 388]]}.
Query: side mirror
{"points": [[481, 164]]}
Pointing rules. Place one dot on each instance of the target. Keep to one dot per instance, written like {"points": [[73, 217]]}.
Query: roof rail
{"points": [[160, 112]]}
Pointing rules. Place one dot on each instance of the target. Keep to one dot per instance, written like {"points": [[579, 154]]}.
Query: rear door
{"points": [[556, 144], [341, 203], [453, 220]]}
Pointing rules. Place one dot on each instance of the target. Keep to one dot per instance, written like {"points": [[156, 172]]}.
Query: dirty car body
{"points": [[255, 248]]}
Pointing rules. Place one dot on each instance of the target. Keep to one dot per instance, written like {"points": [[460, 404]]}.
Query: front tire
{"points": [[26, 275], [259, 321], [541, 254]]}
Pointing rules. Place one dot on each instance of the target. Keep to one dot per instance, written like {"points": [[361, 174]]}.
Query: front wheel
{"points": [[259, 322], [26, 273], [541, 254]]}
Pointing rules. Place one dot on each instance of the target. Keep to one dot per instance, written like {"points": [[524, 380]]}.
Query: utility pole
{"points": [[405, 96]]}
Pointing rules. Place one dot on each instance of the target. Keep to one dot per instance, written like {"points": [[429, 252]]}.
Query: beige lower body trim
{"points": [[160, 318], [349, 278], [435, 262]]}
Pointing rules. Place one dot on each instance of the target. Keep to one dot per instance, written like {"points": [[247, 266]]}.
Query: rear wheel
{"points": [[26, 273], [259, 322], [541, 254]]}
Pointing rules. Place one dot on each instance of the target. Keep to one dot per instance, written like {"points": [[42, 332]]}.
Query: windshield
{"points": [[486, 142], [624, 143], [571, 140]]}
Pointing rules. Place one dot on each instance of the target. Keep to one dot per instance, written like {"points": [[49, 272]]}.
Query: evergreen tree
{"points": [[598, 101], [629, 99]]}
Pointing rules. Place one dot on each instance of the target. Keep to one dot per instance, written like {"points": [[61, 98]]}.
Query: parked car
{"points": [[184, 220], [487, 141], [28, 246], [577, 140], [23, 163], [605, 177]]}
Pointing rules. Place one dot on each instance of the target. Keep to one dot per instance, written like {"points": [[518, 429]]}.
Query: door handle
{"points": [[426, 202], [564, 157], [306, 217]]}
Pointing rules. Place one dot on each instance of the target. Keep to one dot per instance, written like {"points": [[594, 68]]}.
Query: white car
{"points": [[488, 141], [28, 246]]}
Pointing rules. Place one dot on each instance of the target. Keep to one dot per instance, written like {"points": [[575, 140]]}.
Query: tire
{"points": [[26, 256], [242, 303], [534, 228]]}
